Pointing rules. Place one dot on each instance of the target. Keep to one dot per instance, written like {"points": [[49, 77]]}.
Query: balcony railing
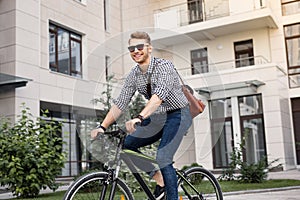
{"points": [[201, 10], [224, 65]]}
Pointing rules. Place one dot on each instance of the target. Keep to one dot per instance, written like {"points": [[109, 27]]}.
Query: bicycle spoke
{"points": [[93, 189], [200, 186]]}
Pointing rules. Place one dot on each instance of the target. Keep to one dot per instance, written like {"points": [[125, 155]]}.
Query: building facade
{"points": [[242, 59]]}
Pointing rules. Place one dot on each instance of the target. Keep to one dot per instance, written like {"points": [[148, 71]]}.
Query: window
{"points": [[106, 14], [65, 51], [76, 125], [195, 11], [243, 51], [107, 65], [292, 41], [296, 118], [222, 132], [290, 7], [252, 128], [199, 61], [249, 111]]}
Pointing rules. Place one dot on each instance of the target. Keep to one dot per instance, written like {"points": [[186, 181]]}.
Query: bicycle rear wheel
{"points": [[91, 186], [203, 185]]}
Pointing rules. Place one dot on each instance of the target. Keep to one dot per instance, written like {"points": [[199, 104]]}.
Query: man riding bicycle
{"points": [[166, 116]]}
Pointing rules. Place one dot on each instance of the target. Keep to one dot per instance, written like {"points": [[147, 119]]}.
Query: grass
{"points": [[227, 186]]}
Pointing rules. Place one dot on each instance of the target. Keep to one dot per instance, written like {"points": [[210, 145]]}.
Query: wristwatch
{"points": [[100, 126], [140, 117]]}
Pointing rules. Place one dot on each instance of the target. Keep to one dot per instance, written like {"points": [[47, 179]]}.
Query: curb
{"points": [[261, 190]]}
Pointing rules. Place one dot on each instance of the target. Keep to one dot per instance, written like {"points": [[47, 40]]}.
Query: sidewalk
{"points": [[288, 174]]}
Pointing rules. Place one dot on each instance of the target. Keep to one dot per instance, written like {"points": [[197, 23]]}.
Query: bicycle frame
{"points": [[124, 155], [137, 176]]}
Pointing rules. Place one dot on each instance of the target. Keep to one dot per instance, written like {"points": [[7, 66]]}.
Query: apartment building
{"points": [[242, 59]]}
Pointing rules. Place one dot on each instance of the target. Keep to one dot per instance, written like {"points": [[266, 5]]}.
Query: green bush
{"points": [[31, 154], [245, 172]]}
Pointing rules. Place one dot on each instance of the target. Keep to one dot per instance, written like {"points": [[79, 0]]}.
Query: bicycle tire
{"points": [[207, 186], [90, 187]]}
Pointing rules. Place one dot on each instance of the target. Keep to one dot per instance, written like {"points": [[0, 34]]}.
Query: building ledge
{"points": [[10, 82]]}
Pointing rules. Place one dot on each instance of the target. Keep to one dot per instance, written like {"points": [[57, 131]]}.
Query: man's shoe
{"points": [[159, 192]]}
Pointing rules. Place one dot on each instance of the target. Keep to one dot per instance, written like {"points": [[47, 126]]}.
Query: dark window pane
{"points": [[244, 53], [199, 61], [52, 50], [195, 11]]}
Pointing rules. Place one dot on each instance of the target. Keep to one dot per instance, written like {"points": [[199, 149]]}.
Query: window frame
{"points": [[203, 68], [254, 116], [287, 3], [197, 7], [295, 69], [249, 51], [72, 37], [216, 142]]}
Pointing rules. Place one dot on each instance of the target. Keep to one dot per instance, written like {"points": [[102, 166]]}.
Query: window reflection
{"points": [[252, 130], [222, 134], [250, 105]]}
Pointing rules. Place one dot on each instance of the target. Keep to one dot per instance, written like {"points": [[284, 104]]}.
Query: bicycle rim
{"points": [[204, 185], [91, 186]]}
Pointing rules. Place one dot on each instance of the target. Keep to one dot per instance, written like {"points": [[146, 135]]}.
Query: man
{"points": [[166, 116]]}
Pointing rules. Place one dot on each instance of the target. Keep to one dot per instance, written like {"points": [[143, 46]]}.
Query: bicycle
{"points": [[195, 183]]}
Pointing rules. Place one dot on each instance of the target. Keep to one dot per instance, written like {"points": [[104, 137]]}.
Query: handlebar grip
{"points": [[138, 124]]}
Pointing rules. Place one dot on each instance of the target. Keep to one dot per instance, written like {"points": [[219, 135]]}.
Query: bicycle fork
{"points": [[112, 180]]}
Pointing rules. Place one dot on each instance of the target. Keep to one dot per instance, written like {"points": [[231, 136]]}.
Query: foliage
{"points": [[191, 165], [106, 97], [248, 172], [31, 154]]}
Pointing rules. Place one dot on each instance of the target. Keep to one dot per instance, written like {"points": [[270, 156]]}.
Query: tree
{"points": [[31, 154]]}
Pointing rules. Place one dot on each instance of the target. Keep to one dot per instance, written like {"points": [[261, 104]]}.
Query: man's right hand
{"points": [[95, 132]]}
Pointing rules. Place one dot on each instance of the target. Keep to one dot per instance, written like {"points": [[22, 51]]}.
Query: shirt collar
{"points": [[150, 67]]}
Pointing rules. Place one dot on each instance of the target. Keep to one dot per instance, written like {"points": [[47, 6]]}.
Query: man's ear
{"points": [[150, 48]]}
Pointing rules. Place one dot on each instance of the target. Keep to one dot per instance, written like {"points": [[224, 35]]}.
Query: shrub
{"points": [[31, 154], [248, 173]]}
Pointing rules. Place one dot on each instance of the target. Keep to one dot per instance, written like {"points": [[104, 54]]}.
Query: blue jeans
{"points": [[169, 128]]}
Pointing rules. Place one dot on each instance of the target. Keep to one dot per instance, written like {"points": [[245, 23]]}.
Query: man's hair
{"points": [[140, 35]]}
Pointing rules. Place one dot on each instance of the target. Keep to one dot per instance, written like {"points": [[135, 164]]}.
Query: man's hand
{"points": [[130, 125], [95, 132]]}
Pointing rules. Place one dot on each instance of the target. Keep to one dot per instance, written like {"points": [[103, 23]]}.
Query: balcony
{"points": [[224, 79], [223, 66], [206, 20]]}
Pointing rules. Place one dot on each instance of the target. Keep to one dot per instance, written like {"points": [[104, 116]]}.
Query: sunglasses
{"points": [[139, 47]]}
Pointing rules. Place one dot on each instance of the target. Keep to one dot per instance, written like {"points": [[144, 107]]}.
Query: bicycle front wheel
{"points": [[95, 186], [199, 184]]}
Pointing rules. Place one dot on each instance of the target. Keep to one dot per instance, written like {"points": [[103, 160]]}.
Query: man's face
{"points": [[140, 51]]}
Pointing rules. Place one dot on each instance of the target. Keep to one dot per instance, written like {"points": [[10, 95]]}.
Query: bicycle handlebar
{"points": [[118, 133]]}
